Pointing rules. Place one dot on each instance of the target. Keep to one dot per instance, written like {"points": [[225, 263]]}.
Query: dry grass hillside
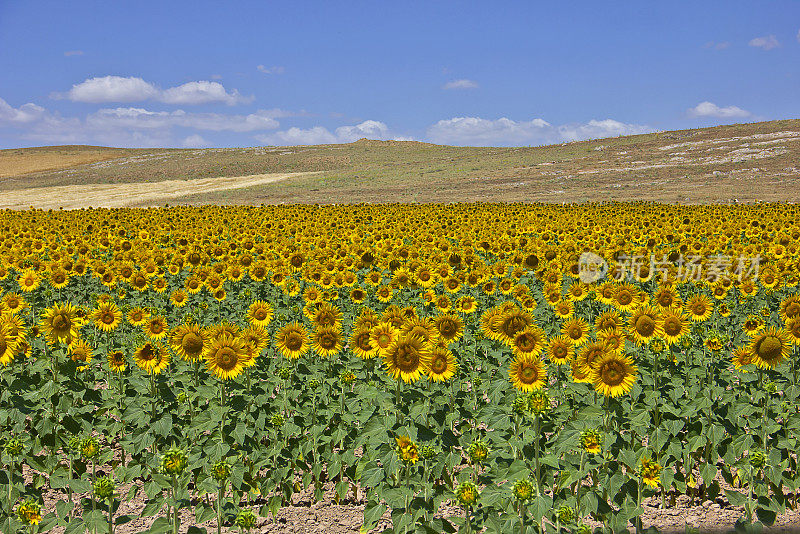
{"points": [[744, 163]]}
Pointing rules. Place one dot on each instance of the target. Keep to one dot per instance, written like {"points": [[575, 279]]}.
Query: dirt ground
{"points": [[304, 516], [128, 194]]}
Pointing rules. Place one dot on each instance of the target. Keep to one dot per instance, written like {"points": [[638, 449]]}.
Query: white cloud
{"points": [[110, 89], [709, 109], [319, 135], [270, 70], [142, 119], [768, 42], [461, 84], [69, 53], [26, 113], [202, 92], [195, 141], [128, 126], [475, 131], [132, 89]]}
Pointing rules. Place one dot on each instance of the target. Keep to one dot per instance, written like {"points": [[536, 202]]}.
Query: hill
{"points": [[743, 162]]}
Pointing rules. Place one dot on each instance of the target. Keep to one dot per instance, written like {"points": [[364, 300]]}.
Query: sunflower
{"points": [[422, 327], [382, 336], [614, 340], [14, 302], [741, 357], [699, 307], [81, 352], [223, 328], [466, 305], [650, 472], [61, 322], [138, 316], [510, 322], [753, 324], [58, 278], [189, 341], [28, 280], [8, 345], [178, 298], [793, 330], [613, 374], [626, 297], [450, 327], [790, 307], [260, 313], [292, 340], [407, 358], [326, 314], [529, 342], [384, 293], [564, 308], [443, 364], [366, 320], [116, 361], [645, 324], [107, 316], [151, 357], [225, 357], [665, 298], [156, 327], [608, 320], [576, 331], [770, 347], [326, 341], [361, 343], [527, 373], [255, 337], [559, 350]]}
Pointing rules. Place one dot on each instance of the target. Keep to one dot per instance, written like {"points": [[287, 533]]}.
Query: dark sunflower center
{"points": [[665, 299], [769, 348], [107, 317], [407, 358], [448, 328], [575, 332], [793, 309], [226, 358], [672, 326], [624, 297], [362, 341], [147, 353], [645, 326], [61, 322], [439, 365], [526, 342], [294, 342], [327, 341], [192, 344], [699, 308], [612, 374], [528, 375]]}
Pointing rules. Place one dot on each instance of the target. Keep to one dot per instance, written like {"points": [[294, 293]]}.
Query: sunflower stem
{"points": [[536, 438]]}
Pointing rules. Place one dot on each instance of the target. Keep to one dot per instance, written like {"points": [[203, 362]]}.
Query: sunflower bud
{"points": [[478, 452], [90, 448], [429, 452], [246, 519], [523, 490], [174, 461], [591, 441], [565, 514], [104, 487], [467, 493], [347, 377], [13, 447], [277, 420], [75, 445], [285, 373], [520, 405], [220, 471], [539, 402], [29, 511], [313, 383], [757, 459]]}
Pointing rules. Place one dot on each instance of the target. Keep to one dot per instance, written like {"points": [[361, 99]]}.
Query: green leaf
{"points": [[372, 514], [160, 526], [736, 498]]}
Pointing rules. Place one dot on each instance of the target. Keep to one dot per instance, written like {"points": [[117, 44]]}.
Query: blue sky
{"points": [[174, 73]]}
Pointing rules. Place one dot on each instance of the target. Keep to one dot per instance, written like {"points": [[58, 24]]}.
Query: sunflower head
{"points": [[523, 490], [527, 373], [467, 493], [174, 461], [613, 375], [770, 347], [225, 357], [591, 441], [407, 358]]}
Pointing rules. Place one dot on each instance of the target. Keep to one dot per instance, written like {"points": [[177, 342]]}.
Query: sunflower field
{"points": [[448, 366]]}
